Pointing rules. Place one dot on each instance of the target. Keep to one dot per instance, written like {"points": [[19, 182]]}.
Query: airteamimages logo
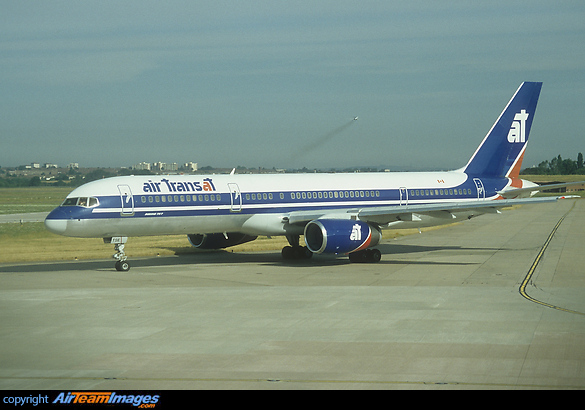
{"points": [[142, 401], [76, 399]]}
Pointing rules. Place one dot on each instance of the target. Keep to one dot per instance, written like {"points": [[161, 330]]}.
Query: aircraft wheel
{"points": [[122, 266], [287, 252], [375, 256], [296, 253], [302, 252], [366, 256]]}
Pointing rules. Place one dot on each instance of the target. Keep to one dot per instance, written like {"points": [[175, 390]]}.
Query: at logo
{"points": [[356, 233], [517, 132]]}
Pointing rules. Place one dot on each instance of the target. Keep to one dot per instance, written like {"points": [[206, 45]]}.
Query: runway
{"points": [[442, 310]]}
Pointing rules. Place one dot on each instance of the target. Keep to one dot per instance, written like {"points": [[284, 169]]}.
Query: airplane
{"points": [[355, 118], [338, 213]]}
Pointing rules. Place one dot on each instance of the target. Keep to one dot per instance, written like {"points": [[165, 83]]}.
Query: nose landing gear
{"points": [[122, 263]]}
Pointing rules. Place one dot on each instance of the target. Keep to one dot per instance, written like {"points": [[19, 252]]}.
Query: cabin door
{"points": [[127, 200], [480, 189], [235, 197], [403, 196]]}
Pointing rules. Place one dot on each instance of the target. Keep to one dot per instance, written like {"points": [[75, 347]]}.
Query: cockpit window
{"points": [[87, 202], [70, 202]]}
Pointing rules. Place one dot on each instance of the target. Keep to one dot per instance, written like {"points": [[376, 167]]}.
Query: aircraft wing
{"points": [[382, 215], [514, 192]]}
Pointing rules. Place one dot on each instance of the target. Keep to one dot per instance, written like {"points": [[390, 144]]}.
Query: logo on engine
{"points": [[356, 233], [517, 132]]}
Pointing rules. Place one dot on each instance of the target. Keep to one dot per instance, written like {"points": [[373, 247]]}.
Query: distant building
{"points": [[73, 165], [143, 166], [159, 166], [190, 166]]}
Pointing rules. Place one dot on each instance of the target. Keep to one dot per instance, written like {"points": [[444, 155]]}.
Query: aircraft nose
{"points": [[56, 221]]}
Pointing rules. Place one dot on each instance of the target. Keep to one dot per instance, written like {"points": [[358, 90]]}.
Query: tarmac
{"points": [[442, 310]]}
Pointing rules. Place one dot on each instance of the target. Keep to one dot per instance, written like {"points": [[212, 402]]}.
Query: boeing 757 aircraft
{"points": [[341, 214]]}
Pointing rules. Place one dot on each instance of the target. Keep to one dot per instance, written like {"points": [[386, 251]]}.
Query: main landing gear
{"points": [[295, 251], [366, 256], [122, 263]]}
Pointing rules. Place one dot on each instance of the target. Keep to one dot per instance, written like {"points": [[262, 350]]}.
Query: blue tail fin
{"points": [[501, 151]]}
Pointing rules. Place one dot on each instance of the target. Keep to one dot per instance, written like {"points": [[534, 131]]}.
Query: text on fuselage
{"points": [[166, 185]]}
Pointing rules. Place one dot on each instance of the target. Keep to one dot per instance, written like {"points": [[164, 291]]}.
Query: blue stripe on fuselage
{"points": [[145, 206]]}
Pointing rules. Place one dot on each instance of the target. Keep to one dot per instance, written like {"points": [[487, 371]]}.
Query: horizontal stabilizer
{"points": [[514, 192]]}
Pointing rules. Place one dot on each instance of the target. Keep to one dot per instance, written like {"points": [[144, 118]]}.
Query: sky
{"points": [[278, 83]]}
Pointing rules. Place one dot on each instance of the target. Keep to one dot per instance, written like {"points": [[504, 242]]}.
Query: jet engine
{"points": [[219, 240], [340, 236]]}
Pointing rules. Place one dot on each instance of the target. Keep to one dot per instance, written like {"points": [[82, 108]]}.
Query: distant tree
{"points": [[579, 161], [97, 174]]}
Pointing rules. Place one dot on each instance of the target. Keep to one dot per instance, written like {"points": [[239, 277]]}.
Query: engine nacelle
{"points": [[340, 236], [218, 240]]}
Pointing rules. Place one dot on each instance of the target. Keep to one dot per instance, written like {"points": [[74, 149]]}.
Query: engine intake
{"points": [[219, 240], [340, 236]]}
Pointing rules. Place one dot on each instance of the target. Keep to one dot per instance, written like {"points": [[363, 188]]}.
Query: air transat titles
{"points": [[178, 186]]}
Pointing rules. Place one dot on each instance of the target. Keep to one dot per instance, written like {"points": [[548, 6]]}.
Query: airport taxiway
{"points": [[441, 310]]}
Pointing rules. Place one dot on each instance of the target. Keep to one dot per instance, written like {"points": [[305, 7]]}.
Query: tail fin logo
{"points": [[517, 132]]}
